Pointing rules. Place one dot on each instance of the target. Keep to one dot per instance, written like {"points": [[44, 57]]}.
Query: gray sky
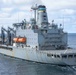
{"points": [[12, 11]]}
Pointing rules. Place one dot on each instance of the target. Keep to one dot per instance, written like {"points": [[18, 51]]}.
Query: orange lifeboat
{"points": [[15, 39], [19, 40], [22, 40]]}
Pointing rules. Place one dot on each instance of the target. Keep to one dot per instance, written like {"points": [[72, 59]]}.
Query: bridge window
{"points": [[49, 55], [74, 55], [55, 56], [70, 56], [64, 56], [44, 16], [58, 56]]}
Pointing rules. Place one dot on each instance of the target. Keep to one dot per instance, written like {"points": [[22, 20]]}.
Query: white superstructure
{"points": [[39, 40]]}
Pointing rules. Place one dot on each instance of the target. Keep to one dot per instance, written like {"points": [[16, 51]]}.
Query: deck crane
{"points": [[2, 36], [8, 38], [12, 33]]}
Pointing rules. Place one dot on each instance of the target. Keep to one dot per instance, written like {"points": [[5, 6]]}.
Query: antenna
{"points": [[18, 17], [63, 19]]}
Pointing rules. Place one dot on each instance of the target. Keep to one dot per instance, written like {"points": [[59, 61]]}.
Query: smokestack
{"points": [[42, 19]]}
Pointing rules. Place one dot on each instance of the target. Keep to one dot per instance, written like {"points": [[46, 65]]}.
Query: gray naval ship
{"points": [[38, 40]]}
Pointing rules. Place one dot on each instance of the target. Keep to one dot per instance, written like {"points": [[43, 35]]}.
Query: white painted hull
{"points": [[37, 56]]}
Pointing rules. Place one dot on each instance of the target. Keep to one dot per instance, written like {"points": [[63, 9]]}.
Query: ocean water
{"points": [[72, 40], [14, 66]]}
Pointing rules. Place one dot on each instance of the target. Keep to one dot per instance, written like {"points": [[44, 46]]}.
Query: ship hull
{"points": [[37, 56]]}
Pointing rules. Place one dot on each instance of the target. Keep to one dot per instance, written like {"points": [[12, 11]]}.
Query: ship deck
{"points": [[67, 51]]}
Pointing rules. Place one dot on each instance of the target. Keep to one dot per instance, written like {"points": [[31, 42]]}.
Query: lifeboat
{"points": [[15, 39], [22, 40], [19, 40]]}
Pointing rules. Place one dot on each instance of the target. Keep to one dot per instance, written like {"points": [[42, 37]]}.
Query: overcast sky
{"points": [[61, 11]]}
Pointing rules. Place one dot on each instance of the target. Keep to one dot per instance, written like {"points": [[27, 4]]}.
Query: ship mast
{"points": [[34, 8]]}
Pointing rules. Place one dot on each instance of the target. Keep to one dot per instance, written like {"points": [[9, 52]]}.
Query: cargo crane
{"points": [[12, 34], [22, 24], [3, 36], [12, 31], [17, 24]]}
